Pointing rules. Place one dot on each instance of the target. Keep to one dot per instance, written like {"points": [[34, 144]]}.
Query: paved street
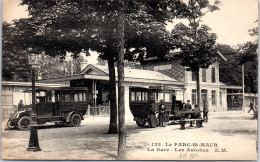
{"points": [[227, 135]]}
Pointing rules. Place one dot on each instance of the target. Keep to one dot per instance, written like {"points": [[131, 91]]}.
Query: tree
{"points": [[77, 64], [248, 58], [197, 44], [102, 26], [15, 65], [51, 67], [229, 71], [15, 60]]}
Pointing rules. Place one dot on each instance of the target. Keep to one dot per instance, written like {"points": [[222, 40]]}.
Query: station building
{"points": [[96, 78], [155, 73], [151, 73]]}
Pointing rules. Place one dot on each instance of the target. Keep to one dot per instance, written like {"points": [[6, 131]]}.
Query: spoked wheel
{"points": [[141, 123], [75, 120], [9, 125], [24, 122]]}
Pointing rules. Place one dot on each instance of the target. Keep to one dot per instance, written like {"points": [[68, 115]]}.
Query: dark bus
{"points": [[140, 97], [59, 105]]}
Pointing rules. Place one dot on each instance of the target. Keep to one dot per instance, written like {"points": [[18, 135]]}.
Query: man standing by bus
{"points": [[20, 106]]}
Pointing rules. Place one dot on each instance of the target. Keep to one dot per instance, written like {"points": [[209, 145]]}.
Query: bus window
{"points": [[138, 96], [76, 97], [154, 96], [84, 97], [132, 96], [160, 97], [80, 96], [168, 97], [144, 96], [67, 97]]}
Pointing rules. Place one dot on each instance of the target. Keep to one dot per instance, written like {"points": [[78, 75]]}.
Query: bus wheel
{"points": [[9, 125], [24, 122], [141, 123], [75, 120]]}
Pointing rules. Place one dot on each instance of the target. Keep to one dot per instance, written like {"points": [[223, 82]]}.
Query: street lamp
{"points": [[33, 141], [243, 82]]}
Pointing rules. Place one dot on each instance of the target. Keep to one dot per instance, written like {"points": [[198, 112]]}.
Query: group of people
{"points": [[163, 117], [187, 107]]}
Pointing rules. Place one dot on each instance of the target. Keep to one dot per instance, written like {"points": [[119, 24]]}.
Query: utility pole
{"points": [[243, 88], [71, 66]]}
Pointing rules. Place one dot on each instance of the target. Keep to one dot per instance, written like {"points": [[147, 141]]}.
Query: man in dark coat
{"points": [[188, 106], [163, 117], [20, 106], [152, 117], [251, 107], [205, 111]]}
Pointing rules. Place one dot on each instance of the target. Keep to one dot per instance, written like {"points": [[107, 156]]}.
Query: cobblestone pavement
{"points": [[227, 136]]}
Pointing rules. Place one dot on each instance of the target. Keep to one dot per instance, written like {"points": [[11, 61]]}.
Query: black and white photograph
{"points": [[129, 80]]}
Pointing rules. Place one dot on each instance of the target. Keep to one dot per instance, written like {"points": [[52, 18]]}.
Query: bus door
{"points": [[56, 104]]}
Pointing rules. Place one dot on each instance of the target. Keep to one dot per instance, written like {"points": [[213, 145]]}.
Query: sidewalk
{"points": [[234, 131]]}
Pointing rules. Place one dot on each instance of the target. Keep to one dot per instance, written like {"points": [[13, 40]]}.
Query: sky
{"points": [[231, 23]]}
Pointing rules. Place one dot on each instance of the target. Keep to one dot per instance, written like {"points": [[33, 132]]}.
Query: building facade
{"points": [[172, 75], [96, 78], [212, 90]]}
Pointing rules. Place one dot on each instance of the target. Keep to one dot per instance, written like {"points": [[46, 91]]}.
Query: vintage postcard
{"points": [[129, 80]]}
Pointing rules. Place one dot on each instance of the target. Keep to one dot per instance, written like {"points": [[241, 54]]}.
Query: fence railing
{"points": [[99, 111]]}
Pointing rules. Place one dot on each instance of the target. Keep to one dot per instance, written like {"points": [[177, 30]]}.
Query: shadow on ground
{"points": [[233, 118], [240, 131]]}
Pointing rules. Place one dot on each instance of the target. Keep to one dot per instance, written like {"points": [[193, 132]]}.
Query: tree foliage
{"points": [[52, 67], [197, 51], [14, 59], [230, 71], [77, 26], [195, 41]]}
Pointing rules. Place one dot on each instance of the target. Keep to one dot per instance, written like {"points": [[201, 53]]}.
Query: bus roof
{"points": [[59, 89]]}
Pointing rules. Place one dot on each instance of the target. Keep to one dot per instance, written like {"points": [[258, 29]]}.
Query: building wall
{"points": [[178, 72], [172, 69], [11, 95]]}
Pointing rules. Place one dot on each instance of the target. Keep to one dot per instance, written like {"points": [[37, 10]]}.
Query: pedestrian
{"points": [[152, 115], [188, 106], [256, 112], [20, 106], [205, 111], [251, 107], [182, 106], [163, 117]]}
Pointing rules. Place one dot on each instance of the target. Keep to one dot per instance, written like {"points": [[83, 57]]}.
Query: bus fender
{"points": [[69, 115]]}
